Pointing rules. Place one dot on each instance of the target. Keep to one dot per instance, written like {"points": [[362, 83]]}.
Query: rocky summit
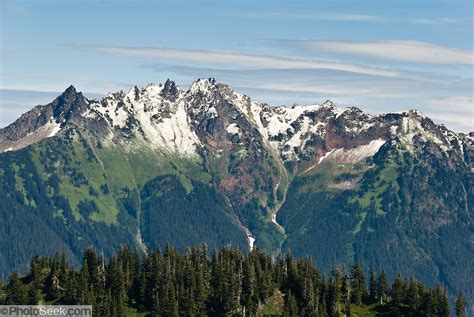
{"points": [[210, 165]]}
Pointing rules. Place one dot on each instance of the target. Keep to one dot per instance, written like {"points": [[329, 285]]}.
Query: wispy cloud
{"points": [[236, 60], [14, 102], [15, 8], [454, 111], [460, 121], [349, 17], [371, 93], [405, 51], [458, 104], [326, 81]]}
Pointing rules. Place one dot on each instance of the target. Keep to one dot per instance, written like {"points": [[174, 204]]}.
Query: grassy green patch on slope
{"points": [[273, 306], [20, 186], [106, 204], [81, 176], [130, 169], [327, 176], [363, 310], [382, 180]]}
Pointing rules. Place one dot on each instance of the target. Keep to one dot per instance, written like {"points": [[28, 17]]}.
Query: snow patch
{"points": [[152, 90], [412, 127], [201, 85], [172, 133], [354, 155], [361, 126], [339, 112], [112, 110], [405, 124], [55, 130], [277, 126], [212, 111], [233, 128], [159, 122], [325, 156], [281, 118], [296, 140], [393, 129], [251, 240], [274, 219]]}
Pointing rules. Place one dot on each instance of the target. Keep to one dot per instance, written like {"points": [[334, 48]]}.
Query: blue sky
{"points": [[381, 56]]}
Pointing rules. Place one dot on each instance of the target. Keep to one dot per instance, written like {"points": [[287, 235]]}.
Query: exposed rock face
{"points": [[44, 121], [330, 174], [248, 146], [202, 116], [251, 149]]}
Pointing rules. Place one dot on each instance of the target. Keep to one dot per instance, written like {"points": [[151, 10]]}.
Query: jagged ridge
{"points": [[211, 141], [166, 117]]}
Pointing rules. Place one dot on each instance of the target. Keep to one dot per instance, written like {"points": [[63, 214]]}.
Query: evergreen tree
{"points": [[310, 299], [16, 293], [71, 296], [373, 286], [357, 283], [33, 295], [63, 270], [250, 294], [397, 291], [36, 267], [202, 279], [115, 286], [428, 302], [412, 297], [382, 285], [345, 286], [52, 286], [231, 284], [91, 265], [334, 296], [440, 302], [444, 304], [291, 307], [460, 306]]}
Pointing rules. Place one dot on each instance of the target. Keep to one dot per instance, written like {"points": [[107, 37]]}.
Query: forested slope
{"points": [[229, 283]]}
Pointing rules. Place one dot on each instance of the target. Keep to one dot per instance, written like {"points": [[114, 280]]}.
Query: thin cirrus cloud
{"points": [[237, 60], [404, 51], [455, 104], [457, 111], [278, 79], [348, 17], [371, 93], [457, 120]]}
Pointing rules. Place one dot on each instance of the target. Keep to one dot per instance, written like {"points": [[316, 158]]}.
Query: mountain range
{"points": [[210, 165]]}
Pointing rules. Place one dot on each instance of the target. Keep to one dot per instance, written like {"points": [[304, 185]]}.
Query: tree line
{"points": [[228, 283]]}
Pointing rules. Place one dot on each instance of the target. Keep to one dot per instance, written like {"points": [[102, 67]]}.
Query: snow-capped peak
{"points": [[328, 104], [165, 117], [154, 116], [203, 85], [133, 93], [153, 90]]}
